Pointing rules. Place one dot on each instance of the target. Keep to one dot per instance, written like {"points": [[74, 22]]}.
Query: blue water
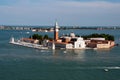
{"points": [[21, 63]]}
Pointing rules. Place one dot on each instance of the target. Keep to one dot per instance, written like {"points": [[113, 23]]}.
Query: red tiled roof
{"points": [[28, 39]]}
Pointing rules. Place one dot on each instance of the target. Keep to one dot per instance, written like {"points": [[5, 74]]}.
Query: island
{"points": [[71, 41]]}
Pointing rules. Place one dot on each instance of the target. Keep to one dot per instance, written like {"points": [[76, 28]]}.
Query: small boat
{"points": [[106, 70], [27, 32]]}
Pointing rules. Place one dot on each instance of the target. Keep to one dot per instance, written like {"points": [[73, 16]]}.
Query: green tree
{"points": [[95, 35], [46, 37], [37, 36]]}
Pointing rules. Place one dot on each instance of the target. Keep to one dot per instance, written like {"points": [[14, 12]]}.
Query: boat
{"points": [[106, 70], [27, 32]]}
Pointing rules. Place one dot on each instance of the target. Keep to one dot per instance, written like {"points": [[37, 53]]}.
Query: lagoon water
{"points": [[22, 63]]}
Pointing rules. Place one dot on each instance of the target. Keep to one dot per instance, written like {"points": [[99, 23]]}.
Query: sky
{"points": [[66, 12]]}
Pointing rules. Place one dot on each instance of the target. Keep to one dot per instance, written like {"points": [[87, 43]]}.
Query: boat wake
{"points": [[97, 68], [114, 67]]}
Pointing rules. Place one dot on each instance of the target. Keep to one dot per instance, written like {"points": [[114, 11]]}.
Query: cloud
{"points": [[41, 12]]}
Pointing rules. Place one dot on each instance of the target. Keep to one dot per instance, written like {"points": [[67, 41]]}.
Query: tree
{"points": [[40, 37], [37, 36], [95, 35], [46, 37]]}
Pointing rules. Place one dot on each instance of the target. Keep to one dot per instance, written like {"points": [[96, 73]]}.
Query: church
{"points": [[66, 42]]}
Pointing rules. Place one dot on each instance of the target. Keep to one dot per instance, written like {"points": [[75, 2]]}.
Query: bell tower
{"points": [[56, 31]]}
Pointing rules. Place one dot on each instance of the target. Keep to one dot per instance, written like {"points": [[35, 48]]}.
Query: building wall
{"points": [[66, 39], [66, 46], [97, 38], [36, 41], [58, 45], [69, 46], [92, 45], [112, 43], [30, 40], [61, 45], [79, 44], [103, 46]]}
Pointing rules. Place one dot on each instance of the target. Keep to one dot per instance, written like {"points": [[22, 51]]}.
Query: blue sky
{"points": [[67, 12]]}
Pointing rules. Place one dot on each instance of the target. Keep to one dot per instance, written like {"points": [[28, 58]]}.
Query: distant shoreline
{"points": [[50, 28]]}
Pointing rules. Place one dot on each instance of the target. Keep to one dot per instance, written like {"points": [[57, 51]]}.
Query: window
{"points": [[79, 45]]}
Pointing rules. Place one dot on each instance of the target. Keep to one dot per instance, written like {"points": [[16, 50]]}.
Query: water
{"points": [[21, 63]]}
